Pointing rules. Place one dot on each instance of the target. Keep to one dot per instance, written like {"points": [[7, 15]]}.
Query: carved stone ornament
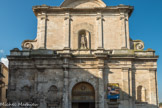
{"points": [[138, 45], [28, 44]]}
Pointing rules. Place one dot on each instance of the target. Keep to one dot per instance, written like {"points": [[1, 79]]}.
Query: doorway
{"points": [[83, 96]]}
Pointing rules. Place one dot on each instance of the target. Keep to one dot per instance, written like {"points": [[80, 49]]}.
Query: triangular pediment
{"points": [[83, 3]]}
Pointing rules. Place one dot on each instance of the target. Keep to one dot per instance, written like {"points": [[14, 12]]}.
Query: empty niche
{"points": [[141, 94], [52, 95], [26, 88], [25, 94]]}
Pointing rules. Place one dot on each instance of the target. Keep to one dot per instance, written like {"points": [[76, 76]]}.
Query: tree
{"points": [[160, 104]]}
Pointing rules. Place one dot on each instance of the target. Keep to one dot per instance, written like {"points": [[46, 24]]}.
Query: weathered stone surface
{"points": [[38, 73], [3, 83], [83, 42]]}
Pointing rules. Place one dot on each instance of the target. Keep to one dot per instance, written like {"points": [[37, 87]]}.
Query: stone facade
{"points": [[82, 47], [3, 83]]}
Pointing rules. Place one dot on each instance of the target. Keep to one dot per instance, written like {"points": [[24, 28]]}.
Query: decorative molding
{"points": [[153, 69], [100, 18], [125, 69], [138, 45], [67, 17], [124, 17], [83, 3], [28, 44]]}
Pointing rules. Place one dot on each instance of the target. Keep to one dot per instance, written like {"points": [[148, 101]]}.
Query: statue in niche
{"points": [[83, 42]]}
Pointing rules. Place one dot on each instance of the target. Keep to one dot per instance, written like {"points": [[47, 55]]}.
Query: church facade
{"points": [[83, 57]]}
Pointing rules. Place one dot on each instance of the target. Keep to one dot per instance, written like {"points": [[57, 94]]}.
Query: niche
{"points": [[84, 40], [141, 94]]}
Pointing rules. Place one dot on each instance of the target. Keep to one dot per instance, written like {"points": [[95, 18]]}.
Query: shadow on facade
{"points": [[53, 87], [130, 96]]}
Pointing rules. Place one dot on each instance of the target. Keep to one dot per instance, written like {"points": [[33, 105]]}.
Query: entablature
{"points": [[38, 10], [106, 54]]}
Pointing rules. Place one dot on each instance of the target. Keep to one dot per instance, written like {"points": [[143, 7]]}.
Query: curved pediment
{"points": [[83, 3]]}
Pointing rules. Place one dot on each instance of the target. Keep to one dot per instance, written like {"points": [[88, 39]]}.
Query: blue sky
{"points": [[18, 23]]}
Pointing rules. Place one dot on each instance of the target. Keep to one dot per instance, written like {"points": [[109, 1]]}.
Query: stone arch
{"points": [[84, 26], [80, 27], [26, 88], [53, 88], [83, 95], [73, 83], [83, 87]]}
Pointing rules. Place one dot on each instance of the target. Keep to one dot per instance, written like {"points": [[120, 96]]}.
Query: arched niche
{"points": [[80, 28], [25, 94], [141, 94], [84, 40], [26, 88], [52, 95], [53, 88]]}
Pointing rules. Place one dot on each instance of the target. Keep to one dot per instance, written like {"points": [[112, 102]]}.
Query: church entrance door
{"points": [[83, 96]]}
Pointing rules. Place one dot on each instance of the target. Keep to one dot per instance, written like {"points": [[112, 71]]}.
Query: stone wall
{"points": [[47, 78], [59, 28], [57, 25], [4, 83], [83, 42]]}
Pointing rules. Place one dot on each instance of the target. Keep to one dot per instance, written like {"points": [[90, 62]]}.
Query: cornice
{"points": [[119, 8]]}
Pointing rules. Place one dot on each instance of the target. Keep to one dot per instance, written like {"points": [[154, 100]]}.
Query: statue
{"points": [[83, 42]]}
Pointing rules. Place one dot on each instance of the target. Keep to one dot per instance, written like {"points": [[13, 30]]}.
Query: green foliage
{"points": [[160, 104]]}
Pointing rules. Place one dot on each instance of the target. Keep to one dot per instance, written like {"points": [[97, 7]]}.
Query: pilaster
{"points": [[101, 91], [66, 83], [124, 28], [127, 87], [67, 23], [43, 31], [100, 30], [127, 30], [153, 87]]}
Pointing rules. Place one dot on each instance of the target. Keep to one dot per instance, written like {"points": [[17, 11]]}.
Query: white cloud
{"points": [[1, 51], [4, 61]]}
